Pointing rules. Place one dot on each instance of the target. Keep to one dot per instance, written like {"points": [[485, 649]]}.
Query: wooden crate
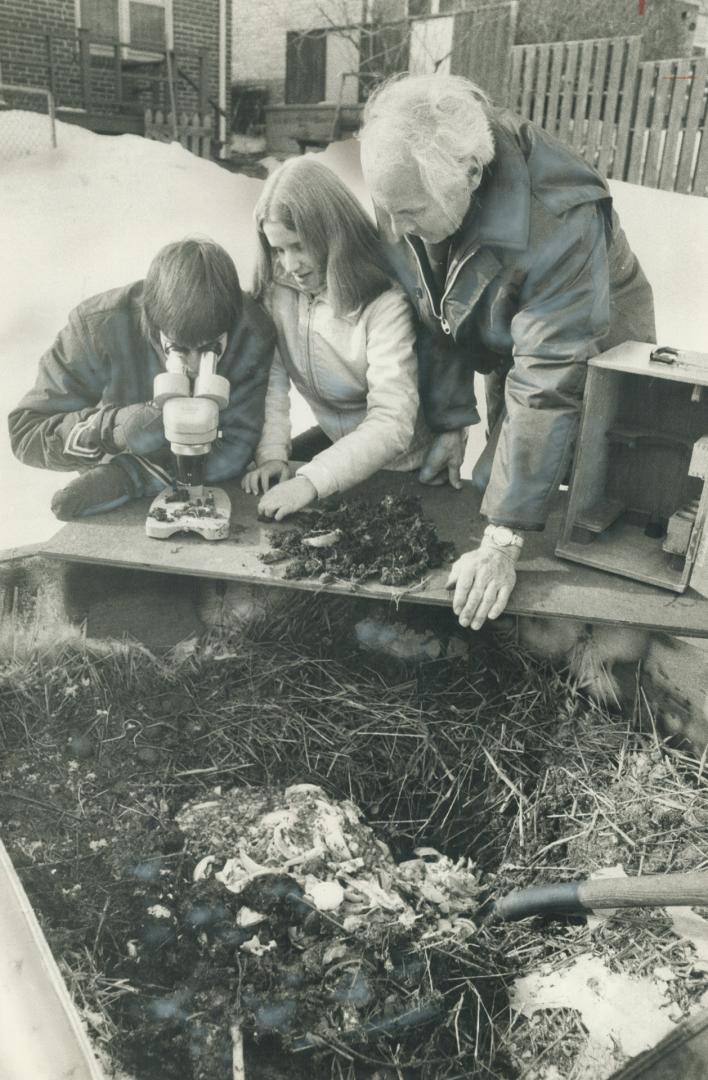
{"points": [[639, 492]]}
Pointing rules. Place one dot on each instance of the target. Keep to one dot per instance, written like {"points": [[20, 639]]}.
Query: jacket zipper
{"points": [[448, 286], [310, 301]]}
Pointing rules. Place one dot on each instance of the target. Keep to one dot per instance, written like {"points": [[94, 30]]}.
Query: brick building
{"points": [[106, 60]]}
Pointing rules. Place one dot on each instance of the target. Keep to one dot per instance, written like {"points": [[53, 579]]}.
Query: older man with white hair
{"points": [[507, 244]]}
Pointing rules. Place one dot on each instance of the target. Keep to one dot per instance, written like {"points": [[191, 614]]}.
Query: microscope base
{"points": [[208, 515]]}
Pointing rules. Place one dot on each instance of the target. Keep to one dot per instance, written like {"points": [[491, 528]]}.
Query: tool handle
{"points": [[575, 897], [654, 890]]}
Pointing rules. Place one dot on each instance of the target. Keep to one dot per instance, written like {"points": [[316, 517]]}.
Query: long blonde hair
{"points": [[306, 197]]}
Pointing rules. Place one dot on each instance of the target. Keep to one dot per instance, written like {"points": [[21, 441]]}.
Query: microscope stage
{"points": [[208, 515]]}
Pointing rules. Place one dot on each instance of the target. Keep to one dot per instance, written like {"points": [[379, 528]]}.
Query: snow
{"points": [[623, 1015], [91, 214]]}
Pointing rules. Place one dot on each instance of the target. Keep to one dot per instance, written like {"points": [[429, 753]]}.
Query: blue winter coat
{"points": [[540, 278], [103, 359]]}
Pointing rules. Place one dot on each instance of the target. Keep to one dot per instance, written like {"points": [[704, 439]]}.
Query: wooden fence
{"points": [[642, 122], [193, 131]]}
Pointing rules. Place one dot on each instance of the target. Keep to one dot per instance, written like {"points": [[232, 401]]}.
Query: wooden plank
{"points": [[51, 65], [556, 64], [700, 178], [587, 49], [203, 82], [517, 59], [696, 108], [664, 83], [546, 586], [679, 90], [635, 169], [46, 1034], [598, 95], [85, 68], [527, 80], [629, 90], [543, 54], [607, 137], [571, 69], [117, 74]]}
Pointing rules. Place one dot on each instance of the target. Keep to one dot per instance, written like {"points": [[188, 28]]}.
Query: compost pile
{"points": [[390, 541], [241, 843], [319, 937]]}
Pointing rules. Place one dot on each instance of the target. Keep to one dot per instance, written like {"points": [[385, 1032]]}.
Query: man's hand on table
{"points": [[444, 459], [484, 579], [287, 498]]}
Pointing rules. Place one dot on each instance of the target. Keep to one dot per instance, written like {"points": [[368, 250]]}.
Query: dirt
{"points": [[390, 541]]}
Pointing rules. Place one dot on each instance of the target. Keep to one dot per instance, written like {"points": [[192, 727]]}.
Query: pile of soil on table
{"points": [[390, 541], [490, 756]]}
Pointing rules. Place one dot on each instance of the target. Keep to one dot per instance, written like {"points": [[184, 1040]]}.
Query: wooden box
{"points": [[639, 492]]}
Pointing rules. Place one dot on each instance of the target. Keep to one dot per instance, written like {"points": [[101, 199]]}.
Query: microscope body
{"points": [[191, 419]]}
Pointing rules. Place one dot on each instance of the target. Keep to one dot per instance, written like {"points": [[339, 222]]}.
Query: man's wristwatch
{"points": [[502, 537]]}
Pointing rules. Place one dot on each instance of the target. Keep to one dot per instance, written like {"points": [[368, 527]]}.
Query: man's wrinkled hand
{"points": [[262, 477], [287, 498], [483, 581], [444, 459]]}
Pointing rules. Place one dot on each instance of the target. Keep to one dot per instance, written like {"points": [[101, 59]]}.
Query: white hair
{"points": [[438, 121]]}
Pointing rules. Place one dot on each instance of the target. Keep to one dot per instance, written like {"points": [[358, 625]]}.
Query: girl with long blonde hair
{"points": [[346, 340]]}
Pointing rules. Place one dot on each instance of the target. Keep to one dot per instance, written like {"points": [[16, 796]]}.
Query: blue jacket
{"points": [[103, 359], [540, 277]]}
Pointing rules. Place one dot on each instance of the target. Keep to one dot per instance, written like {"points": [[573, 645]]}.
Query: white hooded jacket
{"points": [[358, 373]]}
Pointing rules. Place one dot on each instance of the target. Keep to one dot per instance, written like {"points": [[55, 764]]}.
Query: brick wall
{"points": [[259, 34], [23, 53]]}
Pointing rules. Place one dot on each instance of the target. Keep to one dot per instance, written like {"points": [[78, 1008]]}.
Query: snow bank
{"points": [[91, 214]]}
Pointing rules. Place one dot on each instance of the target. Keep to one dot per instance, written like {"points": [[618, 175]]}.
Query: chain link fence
{"points": [[27, 121]]}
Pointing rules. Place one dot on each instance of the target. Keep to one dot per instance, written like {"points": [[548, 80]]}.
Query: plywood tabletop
{"points": [[546, 586]]}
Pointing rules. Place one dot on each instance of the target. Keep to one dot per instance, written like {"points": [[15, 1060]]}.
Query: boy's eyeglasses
{"points": [[217, 346]]}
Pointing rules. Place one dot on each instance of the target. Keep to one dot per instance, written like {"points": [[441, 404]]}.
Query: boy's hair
{"points": [[307, 197], [191, 292]]}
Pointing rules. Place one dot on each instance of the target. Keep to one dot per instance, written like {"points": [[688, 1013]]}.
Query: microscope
{"points": [[190, 415]]}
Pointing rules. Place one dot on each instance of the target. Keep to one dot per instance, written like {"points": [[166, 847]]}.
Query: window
{"points": [[140, 24], [100, 17]]}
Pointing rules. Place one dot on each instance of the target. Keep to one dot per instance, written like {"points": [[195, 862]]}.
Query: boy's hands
{"points": [[259, 479], [137, 428], [99, 489], [287, 498]]}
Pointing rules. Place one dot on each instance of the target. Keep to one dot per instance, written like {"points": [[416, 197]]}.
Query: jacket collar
{"points": [[288, 282], [500, 209], [281, 278]]}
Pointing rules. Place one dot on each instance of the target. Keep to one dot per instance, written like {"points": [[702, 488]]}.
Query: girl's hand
{"points": [[259, 479], [286, 498]]}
